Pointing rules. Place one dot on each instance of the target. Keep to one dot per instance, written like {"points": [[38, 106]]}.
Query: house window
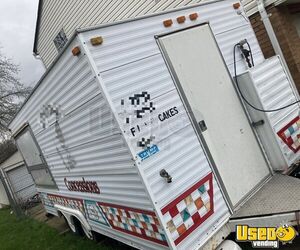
{"points": [[33, 158], [60, 40]]}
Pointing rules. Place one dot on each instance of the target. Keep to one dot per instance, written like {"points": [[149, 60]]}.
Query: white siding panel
{"points": [[147, 74], [70, 16], [69, 86], [87, 142], [92, 121], [275, 91], [135, 40]]}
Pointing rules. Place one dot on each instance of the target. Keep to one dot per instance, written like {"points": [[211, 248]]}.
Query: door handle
{"points": [[202, 125], [258, 123]]}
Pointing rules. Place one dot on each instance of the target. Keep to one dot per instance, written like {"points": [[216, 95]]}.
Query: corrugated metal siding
{"points": [[87, 142], [250, 6], [71, 15], [275, 91], [126, 43]]}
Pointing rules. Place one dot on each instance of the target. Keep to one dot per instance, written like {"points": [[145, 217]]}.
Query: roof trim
{"points": [[37, 27]]}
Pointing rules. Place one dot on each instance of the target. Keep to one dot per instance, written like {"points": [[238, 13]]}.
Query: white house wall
{"points": [[250, 6]]}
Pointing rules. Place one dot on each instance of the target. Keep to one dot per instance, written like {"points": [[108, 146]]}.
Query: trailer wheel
{"points": [[78, 228]]}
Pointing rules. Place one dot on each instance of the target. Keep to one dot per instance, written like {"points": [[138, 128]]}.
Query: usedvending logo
{"points": [[265, 237], [148, 152]]}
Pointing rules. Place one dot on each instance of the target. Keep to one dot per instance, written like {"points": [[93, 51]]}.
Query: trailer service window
{"points": [[33, 159]]}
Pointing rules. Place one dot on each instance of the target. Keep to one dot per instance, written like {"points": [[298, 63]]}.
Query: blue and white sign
{"points": [[148, 152]]}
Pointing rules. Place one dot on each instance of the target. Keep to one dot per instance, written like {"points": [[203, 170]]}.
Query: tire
{"points": [[78, 228]]}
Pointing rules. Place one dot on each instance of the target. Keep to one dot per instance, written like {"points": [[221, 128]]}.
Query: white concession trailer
{"points": [[137, 130]]}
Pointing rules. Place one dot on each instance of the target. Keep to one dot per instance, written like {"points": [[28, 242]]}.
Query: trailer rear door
{"points": [[206, 87]]}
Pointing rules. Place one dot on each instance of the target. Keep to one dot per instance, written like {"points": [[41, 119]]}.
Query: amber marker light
{"points": [[236, 6], [168, 23], [96, 40], [181, 19], [76, 51], [193, 16]]}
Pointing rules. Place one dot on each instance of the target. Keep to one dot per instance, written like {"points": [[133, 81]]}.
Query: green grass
{"points": [[27, 233]]}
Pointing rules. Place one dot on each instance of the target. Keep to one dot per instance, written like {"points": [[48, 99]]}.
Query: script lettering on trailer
{"points": [[82, 186]]}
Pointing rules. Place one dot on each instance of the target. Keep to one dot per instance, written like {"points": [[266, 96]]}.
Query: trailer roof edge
{"points": [[82, 30]]}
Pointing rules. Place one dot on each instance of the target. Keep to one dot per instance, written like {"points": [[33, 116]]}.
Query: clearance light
{"points": [[236, 6], [168, 23], [76, 51], [181, 19], [193, 16], [96, 40]]}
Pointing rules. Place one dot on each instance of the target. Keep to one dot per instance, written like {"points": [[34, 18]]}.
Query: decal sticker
{"points": [[67, 202], [290, 134], [190, 210], [95, 213], [140, 223], [149, 119], [148, 152], [45, 200], [82, 186]]}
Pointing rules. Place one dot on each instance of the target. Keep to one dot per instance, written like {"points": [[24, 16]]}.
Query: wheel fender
{"points": [[69, 212]]}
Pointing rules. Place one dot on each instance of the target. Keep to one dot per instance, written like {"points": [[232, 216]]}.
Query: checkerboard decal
{"points": [[94, 212], [290, 134], [67, 202], [190, 210], [45, 200], [140, 223]]}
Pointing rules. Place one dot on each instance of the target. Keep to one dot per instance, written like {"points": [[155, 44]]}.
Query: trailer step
{"points": [[279, 195]]}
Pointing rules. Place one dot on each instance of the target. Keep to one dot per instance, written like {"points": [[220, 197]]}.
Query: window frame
{"points": [[44, 166], [58, 45]]}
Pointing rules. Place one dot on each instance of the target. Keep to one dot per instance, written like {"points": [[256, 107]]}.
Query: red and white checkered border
{"points": [[291, 139], [150, 230], [199, 217]]}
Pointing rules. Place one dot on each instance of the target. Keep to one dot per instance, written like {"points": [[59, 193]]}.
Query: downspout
{"points": [[274, 41]]}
